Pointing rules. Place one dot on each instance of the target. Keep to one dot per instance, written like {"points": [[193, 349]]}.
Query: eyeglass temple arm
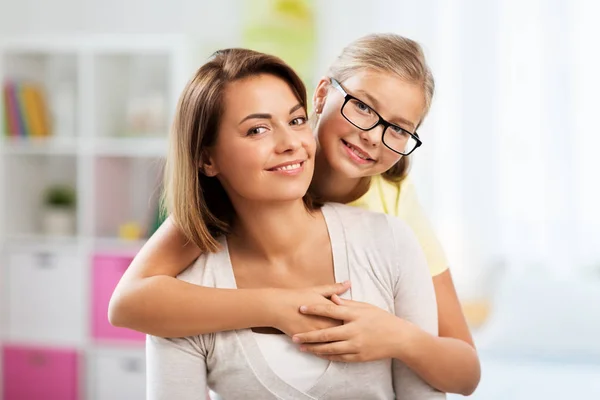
{"points": [[337, 85]]}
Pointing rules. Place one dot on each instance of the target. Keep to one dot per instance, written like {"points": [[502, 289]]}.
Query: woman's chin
{"points": [[274, 195]]}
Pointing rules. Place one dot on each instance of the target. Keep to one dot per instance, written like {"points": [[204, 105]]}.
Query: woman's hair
{"points": [[391, 54], [197, 203]]}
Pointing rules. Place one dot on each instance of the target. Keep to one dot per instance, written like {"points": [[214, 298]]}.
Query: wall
{"points": [[217, 22]]}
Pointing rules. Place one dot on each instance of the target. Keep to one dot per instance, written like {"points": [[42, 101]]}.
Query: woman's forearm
{"points": [[450, 365], [168, 307]]}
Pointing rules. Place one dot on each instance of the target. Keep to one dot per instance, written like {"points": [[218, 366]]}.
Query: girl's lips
{"points": [[356, 154]]}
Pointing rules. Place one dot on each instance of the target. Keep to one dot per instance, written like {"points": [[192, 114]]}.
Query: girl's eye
{"points": [[256, 130], [298, 121], [399, 131], [362, 107]]}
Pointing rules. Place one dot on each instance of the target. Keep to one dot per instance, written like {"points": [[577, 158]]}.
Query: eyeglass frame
{"points": [[381, 121]]}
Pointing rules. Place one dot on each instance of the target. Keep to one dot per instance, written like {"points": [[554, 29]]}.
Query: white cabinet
{"points": [[117, 374], [46, 297]]}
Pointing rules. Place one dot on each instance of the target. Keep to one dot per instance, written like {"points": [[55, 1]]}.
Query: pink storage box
{"points": [[34, 373], [107, 270]]}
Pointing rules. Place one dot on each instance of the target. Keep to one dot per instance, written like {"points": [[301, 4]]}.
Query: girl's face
{"points": [[264, 149], [351, 151]]}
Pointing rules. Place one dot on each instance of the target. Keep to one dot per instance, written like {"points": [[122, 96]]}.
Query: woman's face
{"points": [[353, 152], [264, 150]]}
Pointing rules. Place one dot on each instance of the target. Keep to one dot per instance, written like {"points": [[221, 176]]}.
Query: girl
{"points": [[383, 76], [241, 161]]}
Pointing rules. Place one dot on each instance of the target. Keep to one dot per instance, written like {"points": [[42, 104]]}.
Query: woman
{"points": [[241, 161], [386, 73]]}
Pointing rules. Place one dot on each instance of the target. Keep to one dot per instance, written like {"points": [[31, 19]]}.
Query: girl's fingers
{"points": [[335, 334]]}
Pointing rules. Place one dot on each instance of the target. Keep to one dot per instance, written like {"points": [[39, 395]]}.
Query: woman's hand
{"points": [[285, 307], [368, 333]]}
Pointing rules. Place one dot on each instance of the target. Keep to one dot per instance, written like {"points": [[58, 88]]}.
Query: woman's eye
{"points": [[256, 130], [298, 121]]}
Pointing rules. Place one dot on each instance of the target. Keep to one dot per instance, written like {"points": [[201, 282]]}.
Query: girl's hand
{"points": [[285, 305], [368, 333]]}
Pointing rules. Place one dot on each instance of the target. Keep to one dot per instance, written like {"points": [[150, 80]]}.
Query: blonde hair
{"points": [[198, 204], [391, 54]]}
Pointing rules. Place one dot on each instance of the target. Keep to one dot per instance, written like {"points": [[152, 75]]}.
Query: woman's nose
{"points": [[289, 140]]}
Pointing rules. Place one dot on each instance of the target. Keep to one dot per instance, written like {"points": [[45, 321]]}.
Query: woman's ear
{"points": [[321, 94], [207, 166]]}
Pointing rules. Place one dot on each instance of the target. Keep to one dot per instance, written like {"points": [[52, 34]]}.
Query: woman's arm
{"points": [[175, 369], [150, 299], [448, 362]]}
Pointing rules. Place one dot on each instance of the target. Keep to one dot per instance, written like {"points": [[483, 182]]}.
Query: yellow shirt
{"points": [[401, 201]]}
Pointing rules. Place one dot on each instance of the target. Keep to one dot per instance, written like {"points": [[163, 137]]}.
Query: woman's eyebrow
{"points": [[296, 107], [257, 116], [268, 116]]}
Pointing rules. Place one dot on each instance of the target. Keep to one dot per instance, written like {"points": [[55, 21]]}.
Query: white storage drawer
{"points": [[118, 374], [46, 296]]}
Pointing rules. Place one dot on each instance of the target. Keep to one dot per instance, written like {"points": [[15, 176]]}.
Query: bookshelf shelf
{"points": [[48, 145], [131, 147], [109, 101]]}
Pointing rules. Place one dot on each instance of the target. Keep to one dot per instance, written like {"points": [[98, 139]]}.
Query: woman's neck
{"points": [[273, 231], [329, 185]]}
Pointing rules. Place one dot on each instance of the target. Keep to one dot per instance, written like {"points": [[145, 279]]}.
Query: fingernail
{"points": [[346, 282], [302, 348], [303, 308], [296, 339]]}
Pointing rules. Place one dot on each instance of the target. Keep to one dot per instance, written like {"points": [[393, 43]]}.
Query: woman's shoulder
{"points": [[380, 242], [384, 195], [352, 215], [360, 222], [201, 271]]}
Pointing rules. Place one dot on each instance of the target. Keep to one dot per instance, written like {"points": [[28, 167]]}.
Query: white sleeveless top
{"points": [[387, 267], [298, 369]]}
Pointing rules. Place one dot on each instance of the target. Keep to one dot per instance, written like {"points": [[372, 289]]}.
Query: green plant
{"points": [[62, 196]]}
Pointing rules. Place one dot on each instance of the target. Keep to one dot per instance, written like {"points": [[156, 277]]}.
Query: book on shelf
{"points": [[25, 110]]}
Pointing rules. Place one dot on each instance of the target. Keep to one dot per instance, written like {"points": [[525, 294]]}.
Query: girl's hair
{"points": [[391, 54], [197, 203]]}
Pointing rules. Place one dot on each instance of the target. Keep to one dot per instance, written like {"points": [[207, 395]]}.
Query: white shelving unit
{"points": [[111, 99]]}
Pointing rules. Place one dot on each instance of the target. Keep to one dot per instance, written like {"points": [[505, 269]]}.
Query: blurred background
{"points": [[507, 173]]}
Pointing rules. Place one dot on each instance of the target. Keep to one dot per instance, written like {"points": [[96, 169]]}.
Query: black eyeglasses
{"points": [[365, 118]]}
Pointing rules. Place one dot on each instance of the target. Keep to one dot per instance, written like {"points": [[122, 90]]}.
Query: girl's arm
{"points": [[150, 299], [371, 333], [448, 362], [414, 304]]}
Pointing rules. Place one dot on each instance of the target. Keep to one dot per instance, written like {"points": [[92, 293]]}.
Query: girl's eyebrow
{"points": [[376, 105], [371, 99]]}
